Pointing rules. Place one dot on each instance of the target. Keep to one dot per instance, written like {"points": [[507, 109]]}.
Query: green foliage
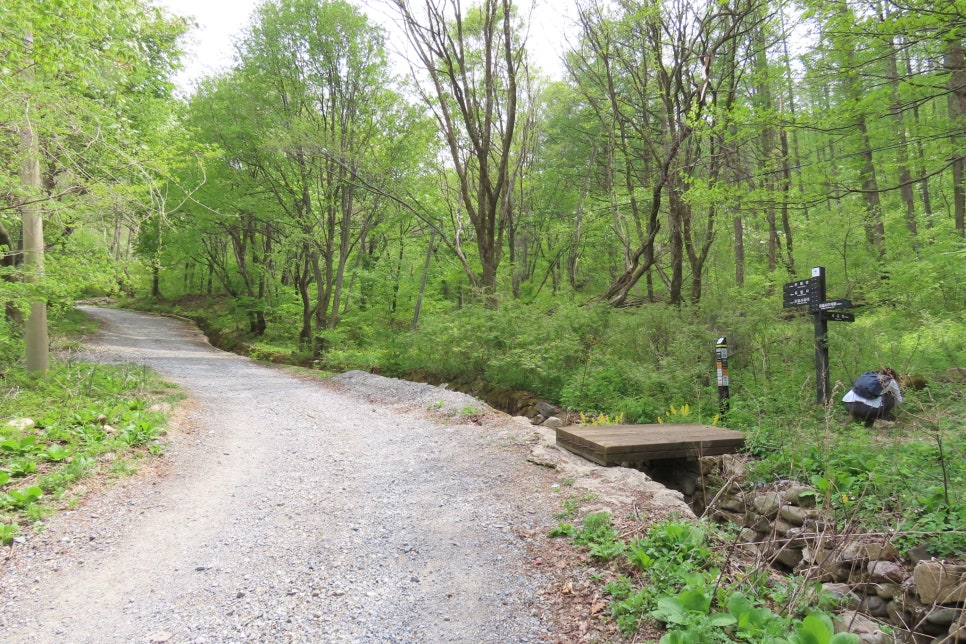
{"points": [[906, 478], [675, 577], [597, 534], [7, 533], [81, 411], [21, 499], [818, 629]]}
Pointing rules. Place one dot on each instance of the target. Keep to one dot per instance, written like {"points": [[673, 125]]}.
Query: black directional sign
{"points": [[833, 304], [838, 316], [809, 283], [800, 293]]}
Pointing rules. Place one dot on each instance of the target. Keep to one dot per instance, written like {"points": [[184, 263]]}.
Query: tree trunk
{"points": [[35, 331], [955, 63], [786, 197], [902, 154], [676, 216], [874, 227], [920, 152], [739, 228]]}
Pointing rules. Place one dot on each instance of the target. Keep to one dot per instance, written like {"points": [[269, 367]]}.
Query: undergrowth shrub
{"points": [[80, 411], [678, 574]]}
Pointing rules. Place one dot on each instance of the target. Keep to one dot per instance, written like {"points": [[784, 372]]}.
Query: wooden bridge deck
{"points": [[615, 444]]}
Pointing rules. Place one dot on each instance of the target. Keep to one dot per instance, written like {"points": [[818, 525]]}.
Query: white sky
{"points": [[209, 47]]}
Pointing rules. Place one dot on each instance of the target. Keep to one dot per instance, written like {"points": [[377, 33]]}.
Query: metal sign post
{"points": [[811, 293]]}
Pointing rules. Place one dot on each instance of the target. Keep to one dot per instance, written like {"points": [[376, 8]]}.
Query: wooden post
{"points": [[35, 327], [821, 340]]}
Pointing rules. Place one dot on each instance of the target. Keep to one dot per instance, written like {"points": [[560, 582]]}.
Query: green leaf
{"points": [[696, 600], [670, 610], [815, 629], [723, 619]]}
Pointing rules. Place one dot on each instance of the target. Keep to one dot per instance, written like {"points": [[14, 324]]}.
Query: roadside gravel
{"points": [[360, 509]]}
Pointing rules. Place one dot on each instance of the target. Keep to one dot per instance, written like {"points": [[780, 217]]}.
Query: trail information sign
{"points": [[811, 293]]}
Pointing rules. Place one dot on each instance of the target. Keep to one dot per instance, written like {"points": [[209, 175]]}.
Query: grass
{"points": [[79, 421], [904, 480]]}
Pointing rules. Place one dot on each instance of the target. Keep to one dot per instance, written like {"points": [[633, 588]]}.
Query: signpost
{"points": [[811, 293], [721, 364]]}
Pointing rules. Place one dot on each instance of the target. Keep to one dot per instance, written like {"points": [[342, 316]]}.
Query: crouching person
{"points": [[873, 395]]}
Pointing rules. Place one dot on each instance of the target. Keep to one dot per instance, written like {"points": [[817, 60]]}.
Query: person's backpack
{"points": [[868, 385]]}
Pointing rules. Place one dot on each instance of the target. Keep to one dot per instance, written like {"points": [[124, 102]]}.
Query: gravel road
{"points": [[359, 509]]}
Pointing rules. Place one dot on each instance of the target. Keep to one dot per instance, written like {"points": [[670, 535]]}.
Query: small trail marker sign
{"points": [[721, 366], [811, 293]]}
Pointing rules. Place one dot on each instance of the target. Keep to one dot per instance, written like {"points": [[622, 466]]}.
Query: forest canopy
{"points": [[586, 237]]}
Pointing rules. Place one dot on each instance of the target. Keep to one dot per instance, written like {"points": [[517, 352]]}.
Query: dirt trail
{"points": [[292, 510]]}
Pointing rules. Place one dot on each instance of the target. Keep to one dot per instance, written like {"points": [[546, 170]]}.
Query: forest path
{"points": [[291, 509]]}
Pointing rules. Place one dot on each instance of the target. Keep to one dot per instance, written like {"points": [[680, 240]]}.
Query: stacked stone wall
{"points": [[889, 598]]}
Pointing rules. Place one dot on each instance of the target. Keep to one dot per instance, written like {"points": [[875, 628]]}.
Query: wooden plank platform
{"points": [[615, 444]]}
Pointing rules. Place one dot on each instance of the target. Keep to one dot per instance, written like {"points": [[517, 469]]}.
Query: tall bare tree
{"points": [[661, 77], [475, 63]]}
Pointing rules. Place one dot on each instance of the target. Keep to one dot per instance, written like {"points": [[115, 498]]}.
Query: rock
{"points": [[747, 536], [857, 623], [943, 615], [793, 514], [686, 484], [882, 571], [875, 606], [782, 528], [941, 583], [758, 523], [887, 591], [553, 423], [732, 504], [732, 466], [844, 593], [543, 456], [767, 505], [709, 465], [547, 410], [730, 517], [801, 496], [957, 630], [789, 557], [21, 424], [909, 605], [917, 554], [796, 538], [896, 614], [818, 573], [856, 551]]}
